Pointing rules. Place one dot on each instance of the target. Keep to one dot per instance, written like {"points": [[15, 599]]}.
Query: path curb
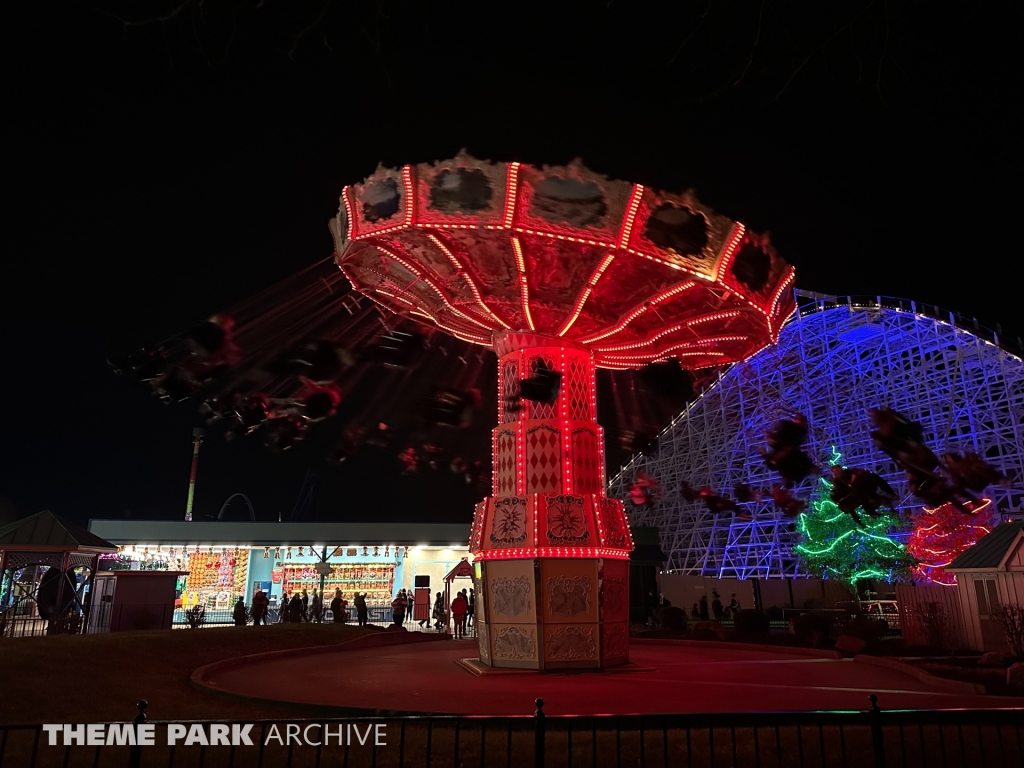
{"points": [[812, 653], [950, 686], [475, 668]]}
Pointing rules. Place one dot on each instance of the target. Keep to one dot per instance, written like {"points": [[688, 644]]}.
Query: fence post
{"points": [[877, 740], [135, 756], [539, 732]]}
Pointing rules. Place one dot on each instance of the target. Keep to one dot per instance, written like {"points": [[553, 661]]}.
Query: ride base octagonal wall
{"points": [[552, 550]]}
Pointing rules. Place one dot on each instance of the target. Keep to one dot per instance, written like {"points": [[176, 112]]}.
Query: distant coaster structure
{"points": [[560, 271], [836, 358]]}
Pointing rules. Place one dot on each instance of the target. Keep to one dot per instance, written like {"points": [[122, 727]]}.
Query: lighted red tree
{"points": [[939, 535]]}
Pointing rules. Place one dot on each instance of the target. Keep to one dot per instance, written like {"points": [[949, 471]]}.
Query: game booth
{"points": [[216, 562]]}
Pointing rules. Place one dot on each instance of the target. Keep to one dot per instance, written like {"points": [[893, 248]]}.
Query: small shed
{"points": [[127, 600], [990, 574], [47, 565]]}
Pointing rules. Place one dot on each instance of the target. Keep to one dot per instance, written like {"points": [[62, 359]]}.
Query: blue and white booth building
{"points": [[221, 560]]}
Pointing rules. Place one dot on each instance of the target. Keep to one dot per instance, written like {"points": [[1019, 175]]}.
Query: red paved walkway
{"points": [[425, 678]]}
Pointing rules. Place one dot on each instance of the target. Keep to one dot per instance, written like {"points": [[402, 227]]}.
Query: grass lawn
{"points": [[98, 678]]}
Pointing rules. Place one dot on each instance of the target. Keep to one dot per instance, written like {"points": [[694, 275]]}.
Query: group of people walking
{"points": [[719, 611], [300, 607], [703, 610], [258, 612], [462, 608], [303, 607]]}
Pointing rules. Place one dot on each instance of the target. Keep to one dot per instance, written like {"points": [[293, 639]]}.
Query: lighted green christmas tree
{"points": [[835, 546]]}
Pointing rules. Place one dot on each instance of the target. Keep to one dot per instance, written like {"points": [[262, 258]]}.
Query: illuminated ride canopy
{"points": [[478, 248], [562, 269]]}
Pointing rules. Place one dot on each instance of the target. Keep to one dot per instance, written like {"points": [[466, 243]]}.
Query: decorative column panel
{"points": [[552, 549]]}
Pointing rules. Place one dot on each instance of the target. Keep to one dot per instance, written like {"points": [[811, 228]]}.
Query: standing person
{"points": [[716, 606], [652, 608], [260, 604], [398, 609], [338, 607], [472, 606], [465, 620], [305, 605], [295, 608], [360, 603], [438, 614], [239, 614], [459, 608], [410, 610], [704, 607], [318, 607], [282, 609], [734, 606]]}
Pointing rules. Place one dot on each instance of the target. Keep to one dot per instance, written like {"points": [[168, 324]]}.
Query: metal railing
{"points": [[106, 617], [874, 738], [30, 624], [378, 616]]}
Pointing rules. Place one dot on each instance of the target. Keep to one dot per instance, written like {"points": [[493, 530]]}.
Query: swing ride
{"points": [[560, 271]]}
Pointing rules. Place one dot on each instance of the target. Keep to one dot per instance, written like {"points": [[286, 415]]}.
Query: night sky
{"points": [[161, 169]]}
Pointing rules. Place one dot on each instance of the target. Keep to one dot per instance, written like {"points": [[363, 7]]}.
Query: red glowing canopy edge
{"points": [[532, 252]]}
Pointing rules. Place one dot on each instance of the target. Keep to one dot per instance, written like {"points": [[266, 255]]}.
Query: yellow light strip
{"points": [[511, 192], [524, 287], [585, 293], [460, 270], [409, 196], [672, 329], [424, 279], [627, 222], [673, 291], [738, 230]]}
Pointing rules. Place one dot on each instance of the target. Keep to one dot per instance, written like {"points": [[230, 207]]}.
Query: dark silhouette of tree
{"points": [[757, 52]]}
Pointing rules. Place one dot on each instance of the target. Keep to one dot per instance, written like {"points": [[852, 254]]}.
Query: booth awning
{"points": [[463, 570], [261, 533]]}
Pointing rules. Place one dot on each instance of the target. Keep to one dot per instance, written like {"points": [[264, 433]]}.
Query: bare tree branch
{"points": [[302, 33], [696, 29], [171, 14], [753, 50], [885, 47], [819, 48]]}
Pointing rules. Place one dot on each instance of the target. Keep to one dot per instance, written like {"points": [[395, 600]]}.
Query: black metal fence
{"points": [[105, 617], [874, 739], [379, 616], [13, 624]]}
